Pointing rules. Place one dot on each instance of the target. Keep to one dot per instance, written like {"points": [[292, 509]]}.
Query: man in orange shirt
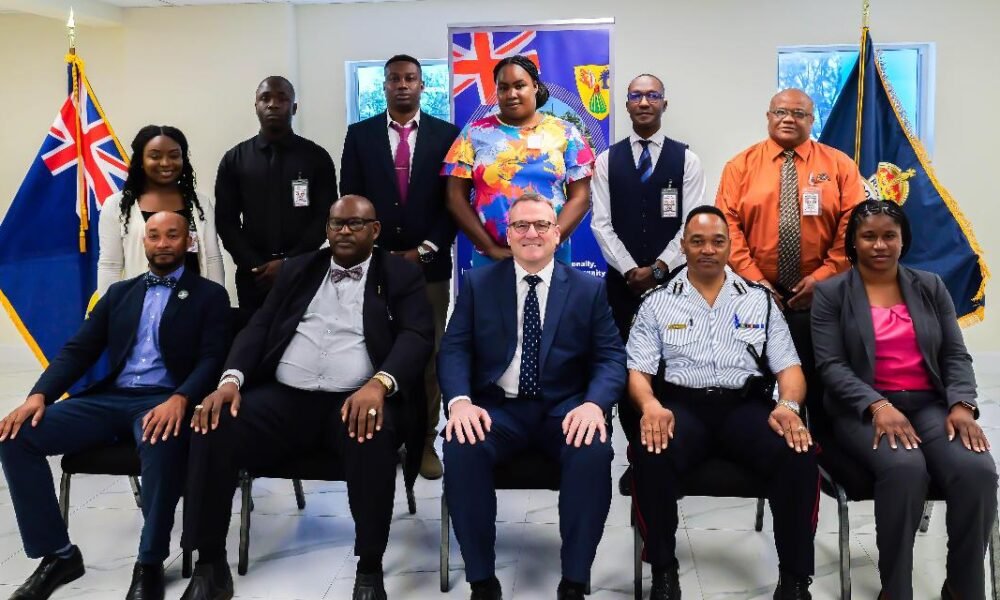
{"points": [[788, 200]]}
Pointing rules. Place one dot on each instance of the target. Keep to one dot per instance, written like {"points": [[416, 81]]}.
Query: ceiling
{"points": [[151, 3]]}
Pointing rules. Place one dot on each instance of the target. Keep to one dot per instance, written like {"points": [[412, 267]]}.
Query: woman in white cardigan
{"points": [[160, 178]]}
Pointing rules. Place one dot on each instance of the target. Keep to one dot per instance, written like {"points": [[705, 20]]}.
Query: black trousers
{"points": [[735, 428], [624, 304], [801, 331], [274, 423]]}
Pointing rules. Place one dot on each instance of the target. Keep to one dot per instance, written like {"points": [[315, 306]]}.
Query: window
{"points": [[365, 97], [822, 71]]}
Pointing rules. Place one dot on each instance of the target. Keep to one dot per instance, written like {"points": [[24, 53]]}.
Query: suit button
{"points": [[399, 230], [397, 204]]}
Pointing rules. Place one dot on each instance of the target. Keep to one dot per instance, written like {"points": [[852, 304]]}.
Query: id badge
{"points": [[300, 193], [534, 142], [668, 203], [811, 202]]}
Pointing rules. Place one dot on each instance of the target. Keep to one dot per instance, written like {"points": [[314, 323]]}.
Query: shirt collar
{"points": [[656, 139], [176, 274], [774, 151], [415, 120], [730, 282], [546, 273], [363, 264], [262, 142]]}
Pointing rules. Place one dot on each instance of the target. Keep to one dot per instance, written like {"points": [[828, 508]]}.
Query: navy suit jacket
{"points": [[366, 168], [582, 358], [194, 335]]}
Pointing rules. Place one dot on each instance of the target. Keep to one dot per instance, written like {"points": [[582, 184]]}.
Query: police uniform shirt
{"points": [[706, 346]]}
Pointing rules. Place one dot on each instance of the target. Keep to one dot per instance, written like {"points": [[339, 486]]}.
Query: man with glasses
{"points": [[531, 361], [394, 159], [788, 200], [344, 333], [643, 188]]}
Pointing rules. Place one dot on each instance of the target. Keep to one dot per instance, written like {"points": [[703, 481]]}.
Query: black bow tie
{"points": [[152, 280]]}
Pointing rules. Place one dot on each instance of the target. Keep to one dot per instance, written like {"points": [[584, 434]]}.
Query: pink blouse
{"points": [[899, 365]]}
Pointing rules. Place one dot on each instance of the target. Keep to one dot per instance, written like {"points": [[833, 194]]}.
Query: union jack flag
{"points": [[473, 66], [48, 238]]}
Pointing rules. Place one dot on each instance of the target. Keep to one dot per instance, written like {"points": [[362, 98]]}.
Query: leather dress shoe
{"points": [[368, 586], [486, 590], [568, 592], [210, 581], [791, 587], [666, 585], [50, 574], [147, 582]]}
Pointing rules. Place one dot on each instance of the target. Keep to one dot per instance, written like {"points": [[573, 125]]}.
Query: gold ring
{"points": [[372, 412]]}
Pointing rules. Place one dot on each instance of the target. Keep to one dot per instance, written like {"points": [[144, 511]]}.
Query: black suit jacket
{"points": [[844, 340], [194, 334], [399, 328], [366, 168]]}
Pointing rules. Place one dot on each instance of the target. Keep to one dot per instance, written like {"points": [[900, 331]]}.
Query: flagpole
{"points": [[862, 59], [76, 76]]}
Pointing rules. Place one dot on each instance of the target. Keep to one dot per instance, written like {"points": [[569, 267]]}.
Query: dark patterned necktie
{"points": [[531, 340], [789, 225], [402, 159], [152, 280], [338, 275], [645, 165]]}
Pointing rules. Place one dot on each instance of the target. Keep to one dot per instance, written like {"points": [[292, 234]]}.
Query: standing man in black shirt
{"points": [[272, 195]]}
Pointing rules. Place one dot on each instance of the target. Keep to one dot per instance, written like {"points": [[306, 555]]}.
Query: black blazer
{"points": [[194, 334], [366, 168], [844, 340], [399, 327]]}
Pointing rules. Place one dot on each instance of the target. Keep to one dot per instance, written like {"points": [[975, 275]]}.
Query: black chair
{"points": [[119, 458], [716, 478], [318, 466], [525, 471]]}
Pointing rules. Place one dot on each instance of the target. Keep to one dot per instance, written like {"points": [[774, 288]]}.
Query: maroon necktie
{"points": [[402, 158]]}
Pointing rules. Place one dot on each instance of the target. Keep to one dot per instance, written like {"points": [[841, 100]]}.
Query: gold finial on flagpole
{"points": [[865, 12], [71, 31]]}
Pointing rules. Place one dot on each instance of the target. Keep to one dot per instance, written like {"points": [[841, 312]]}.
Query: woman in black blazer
{"points": [[901, 395]]}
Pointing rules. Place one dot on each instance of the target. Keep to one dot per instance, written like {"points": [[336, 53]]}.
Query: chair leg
{"points": [[637, 559], [586, 590], [246, 485], [445, 544], [411, 499], [758, 523], [300, 497], [185, 552], [994, 550], [925, 519], [133, 481], [845, 545], [64, 496]]}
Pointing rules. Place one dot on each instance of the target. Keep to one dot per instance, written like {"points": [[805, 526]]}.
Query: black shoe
{"points": [[791, 587], [147, 582], [569, 591], [369, 586], [625, 482], [50, 574], [488, 589], [210, 581], [666, 585]]}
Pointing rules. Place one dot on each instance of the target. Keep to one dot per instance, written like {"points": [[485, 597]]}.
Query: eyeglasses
{"points": [[638, 96], [798, 115], [355, 224], [521, 227]]}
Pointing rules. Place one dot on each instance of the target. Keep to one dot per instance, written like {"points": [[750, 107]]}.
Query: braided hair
{"points": [[135, 182], [542, 95], [867, 209]]}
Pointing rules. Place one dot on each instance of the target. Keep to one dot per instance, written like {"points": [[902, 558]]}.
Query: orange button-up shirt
{"points": [[749, 194]]}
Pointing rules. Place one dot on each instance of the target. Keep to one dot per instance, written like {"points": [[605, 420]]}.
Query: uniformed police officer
{"points": [[720, 339]]}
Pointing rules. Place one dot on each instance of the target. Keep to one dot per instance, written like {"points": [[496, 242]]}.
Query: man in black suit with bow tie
{"points": [[165, 336], [330, 361]]}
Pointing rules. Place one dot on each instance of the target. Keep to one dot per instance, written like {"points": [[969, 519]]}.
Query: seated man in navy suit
{"points": [[531, 359], [165, 335]]}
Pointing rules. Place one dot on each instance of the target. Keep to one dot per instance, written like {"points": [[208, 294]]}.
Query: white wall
{"points": [[196, 68]]}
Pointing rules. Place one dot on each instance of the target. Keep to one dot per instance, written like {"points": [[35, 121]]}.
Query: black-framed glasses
{"points": [[796, 114], [522, 227], [638, 96], [354, 224]]}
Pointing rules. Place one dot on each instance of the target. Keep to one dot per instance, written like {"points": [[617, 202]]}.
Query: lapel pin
{"points": [[182, 294]]}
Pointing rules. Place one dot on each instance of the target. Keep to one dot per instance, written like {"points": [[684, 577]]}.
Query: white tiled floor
{"points": [[308, 554]]}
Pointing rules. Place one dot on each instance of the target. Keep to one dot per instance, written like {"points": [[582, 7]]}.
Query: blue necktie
{"points": [[645, 166], [152, 280], [531, 341]]}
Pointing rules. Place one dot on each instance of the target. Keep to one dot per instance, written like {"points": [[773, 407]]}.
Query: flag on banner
{"points": [[866, 122], [48, 238]]}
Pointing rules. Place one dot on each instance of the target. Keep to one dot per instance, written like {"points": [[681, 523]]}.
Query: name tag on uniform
{"points": [[668, 203], [534, 142], [677, 326], [811, 200], [300, 192]]}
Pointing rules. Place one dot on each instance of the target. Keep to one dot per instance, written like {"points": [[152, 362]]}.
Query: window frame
{"points": [[352, 89]]}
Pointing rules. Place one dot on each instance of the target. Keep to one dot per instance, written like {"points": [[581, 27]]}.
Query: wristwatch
{"points": [[659, 275], [383, 378], [426, 254], [790, 405]]}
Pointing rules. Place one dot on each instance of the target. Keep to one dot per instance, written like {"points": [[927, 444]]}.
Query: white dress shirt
{"points": [[412, 139], [509, 380], [613, 249]]}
